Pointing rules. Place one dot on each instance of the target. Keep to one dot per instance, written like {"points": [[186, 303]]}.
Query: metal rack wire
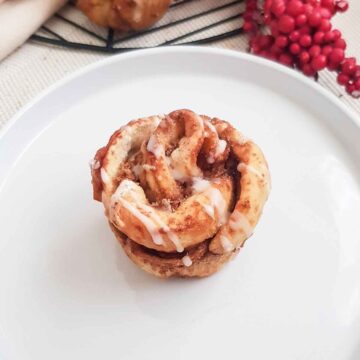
{"points": [[187, 22]]}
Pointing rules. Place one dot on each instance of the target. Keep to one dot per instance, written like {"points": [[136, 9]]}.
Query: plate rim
{"points": [[297, 76], [325, 94]]}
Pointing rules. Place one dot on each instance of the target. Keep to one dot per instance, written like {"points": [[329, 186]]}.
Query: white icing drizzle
{"points": [[120, 222], [157, 120], [175, 240], [215, 197], [147, 222], [238, 221], [218, 202], [155, 147], [209, 210], [151, 220], [200, 185], [148, 167], [94, 164], [104, 176], [150, 226], [156, 219], [167, 161], [187, 260], [226, 243], [243, 167], [126, 186], [177, 173], [220, 148]]}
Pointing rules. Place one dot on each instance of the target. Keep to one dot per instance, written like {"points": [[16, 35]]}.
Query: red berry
{"points": [[314, 51], [332, 66], [265, 41], [262, 53], [337, 34], [275, 50], [278, 7], [325, 13], [325, 25], [340, 44], [319, 62], [337, 56], [350, 88], [286, 24], [308, 70], [304, 57], [351, 60], [348, 67], [328, 4], [251, 5], [281, 41], [286, 59], [315, 18], [267, 18], [342, 6], [272, 57], [308, 9], [343, 79], [294, 36], [326, 50], [306, 29], [248, 26], [248, 16], [318, 37], [294, 7], [301, 20], [295, 48], [305, 40], [329, 36], [274, 28]]}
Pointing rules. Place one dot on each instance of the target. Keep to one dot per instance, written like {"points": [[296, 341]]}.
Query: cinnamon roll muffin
{"points": [[124, 15], [182, 192]]}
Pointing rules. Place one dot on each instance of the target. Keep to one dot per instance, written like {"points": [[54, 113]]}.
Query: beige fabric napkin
{"points": [[19, 19]]}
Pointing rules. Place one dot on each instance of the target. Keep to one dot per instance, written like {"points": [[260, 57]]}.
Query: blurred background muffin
{"points": [[124, 15]]}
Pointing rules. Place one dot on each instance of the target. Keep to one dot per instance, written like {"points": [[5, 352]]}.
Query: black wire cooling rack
{"points": [[188, 22]]}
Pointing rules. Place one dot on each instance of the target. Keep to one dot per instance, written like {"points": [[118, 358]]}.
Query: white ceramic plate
{"points": [[67, 291]]}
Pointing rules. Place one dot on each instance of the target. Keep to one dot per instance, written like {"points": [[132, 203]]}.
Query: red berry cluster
{"points": [[301, 36]]}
